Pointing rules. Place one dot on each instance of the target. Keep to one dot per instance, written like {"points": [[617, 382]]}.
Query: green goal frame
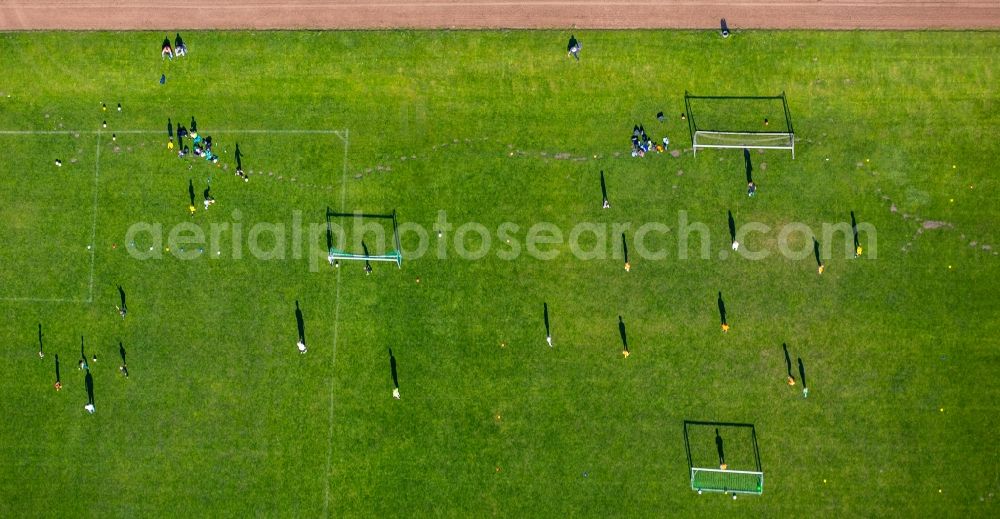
{"points": [[710, 135], [336, 254], [742, 480]]}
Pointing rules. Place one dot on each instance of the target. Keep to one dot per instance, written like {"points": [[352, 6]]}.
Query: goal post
{"points": [[759, 122], [723, 457], [394, 254]]}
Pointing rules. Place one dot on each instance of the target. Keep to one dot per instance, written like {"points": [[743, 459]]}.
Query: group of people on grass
{"points": [[643, 144], [178, 49], [202, 145]]}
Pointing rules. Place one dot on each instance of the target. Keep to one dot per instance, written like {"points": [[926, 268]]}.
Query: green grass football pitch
{"points": [[222, 416]]}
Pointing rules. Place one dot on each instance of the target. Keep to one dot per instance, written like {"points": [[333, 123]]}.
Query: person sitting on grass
{"points": [[167, 51], [179, 46], [573, 48]]}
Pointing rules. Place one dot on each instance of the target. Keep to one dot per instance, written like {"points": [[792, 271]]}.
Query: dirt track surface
{"points": [[470, 14]]}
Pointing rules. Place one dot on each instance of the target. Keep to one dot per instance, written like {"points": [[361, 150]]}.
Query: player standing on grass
{"points": [[720, 448], [208, 197], [301, 325], [548, 332], [802, 377], [124, 367], [89, 381], [191, 196], [621, 332], [122, 310], [239, 164], [722, 313], [395, 377], [628, 266], [58, 384], [604, 192]]}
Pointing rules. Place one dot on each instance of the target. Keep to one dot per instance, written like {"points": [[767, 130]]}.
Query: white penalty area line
{"points": [[93, 226], [345, 137]]}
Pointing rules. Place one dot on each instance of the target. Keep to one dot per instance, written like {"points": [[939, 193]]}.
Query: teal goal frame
{"points": [[744, 480], [335, 254]]}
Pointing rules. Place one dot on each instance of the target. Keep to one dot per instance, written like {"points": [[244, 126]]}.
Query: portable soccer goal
{"points": [[759, 122], [723, 457], [393, 254]]}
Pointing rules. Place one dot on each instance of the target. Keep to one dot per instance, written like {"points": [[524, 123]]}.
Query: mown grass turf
{"points": [[221, 416]]}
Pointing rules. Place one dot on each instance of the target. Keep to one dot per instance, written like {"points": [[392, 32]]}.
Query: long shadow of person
{"points": [[121, 353], [719, 446], [722, 311], [239, 157], [748, 164], [368, 264], [83, 355], [819, 261], [329, 235], [123, 309], [545, 313], [395, 377], [194, 125], [802, 372], [604, 192], [625, 253], [854, 231], [191, 190], [732, 227], [392, 369], [89, 380], [788, 360], [41, 350], [621, 331], [58, 380], [300, 322]]}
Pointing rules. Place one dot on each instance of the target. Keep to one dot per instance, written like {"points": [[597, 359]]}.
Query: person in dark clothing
{"points": [[573, 48], [166, 51], [179, 46]]}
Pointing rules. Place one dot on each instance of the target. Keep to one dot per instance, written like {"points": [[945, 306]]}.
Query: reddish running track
{"points": [[474, 14]]}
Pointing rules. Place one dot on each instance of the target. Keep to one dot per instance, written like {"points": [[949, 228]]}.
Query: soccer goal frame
{"points": [[717, 135], [743, 480], [335, 254]]}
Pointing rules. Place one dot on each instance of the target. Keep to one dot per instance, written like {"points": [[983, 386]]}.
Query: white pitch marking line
{"points": [[93, 226], [336, 329]]}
